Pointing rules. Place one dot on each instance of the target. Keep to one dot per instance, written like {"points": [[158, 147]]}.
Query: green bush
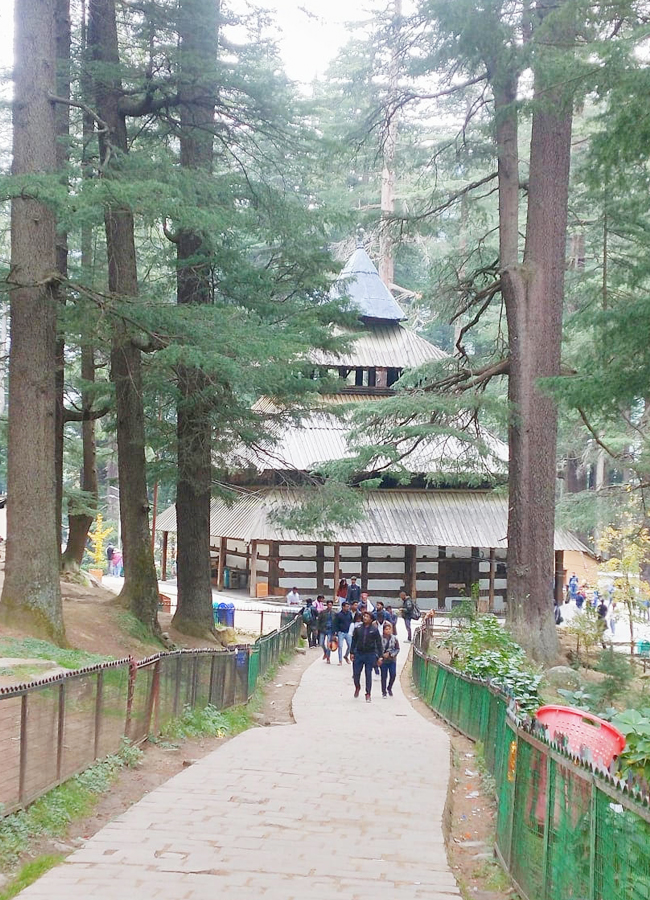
{"points": [[484, 649]]}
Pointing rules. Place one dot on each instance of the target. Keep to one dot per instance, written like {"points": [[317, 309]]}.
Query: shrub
{"points": [[485, 650]]}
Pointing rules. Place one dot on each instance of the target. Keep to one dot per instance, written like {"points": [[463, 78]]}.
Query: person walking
{"points": [[342, 590], [408, 612], [110, 552], [326, 629], [365, 651], [354, 591], [388, 661], [342, 621], [309, 617]]}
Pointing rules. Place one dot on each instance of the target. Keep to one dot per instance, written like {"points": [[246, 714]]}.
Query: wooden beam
{"points": [[320, 568], [493, 568], [364, 567], [274, 566], [221, 565], [337, 568], [410, 570], [252, 588], [163, 565], [559, 576]]}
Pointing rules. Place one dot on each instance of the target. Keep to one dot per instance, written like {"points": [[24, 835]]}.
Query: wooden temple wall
{"points": [[439, 577]]}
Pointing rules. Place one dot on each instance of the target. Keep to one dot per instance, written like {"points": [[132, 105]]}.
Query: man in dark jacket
{"points": [[342, 622], [365, 651], [354, 590], [326, 629], [408, 612]]}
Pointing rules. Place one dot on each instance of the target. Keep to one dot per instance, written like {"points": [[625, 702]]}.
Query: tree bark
{"points": [[79, 523], [62, 121], [140, 591], [534, 301], [31, 594], [197, 92]]}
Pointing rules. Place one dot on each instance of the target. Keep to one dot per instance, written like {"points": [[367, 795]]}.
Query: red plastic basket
{"points": [[581, 730]]}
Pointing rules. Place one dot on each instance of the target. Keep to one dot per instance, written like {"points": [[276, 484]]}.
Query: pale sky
{"points": [[312, 31]]}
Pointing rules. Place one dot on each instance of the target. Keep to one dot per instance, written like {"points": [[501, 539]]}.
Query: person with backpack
{"points": [[309, 617], [326, 629], [410, 613]]}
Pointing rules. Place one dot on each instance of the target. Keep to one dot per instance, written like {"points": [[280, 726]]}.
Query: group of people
{"points": [[364, 635], [584, 596], [114, 560]]}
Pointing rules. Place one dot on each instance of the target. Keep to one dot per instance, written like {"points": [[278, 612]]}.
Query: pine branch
{"points": [[77, 104]]}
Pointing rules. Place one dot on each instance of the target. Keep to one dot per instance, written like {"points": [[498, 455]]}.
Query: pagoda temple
{"points": [[439, 544]]}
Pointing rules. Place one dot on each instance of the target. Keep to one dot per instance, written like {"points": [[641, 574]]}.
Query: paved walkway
{"points": [[346, 802]]}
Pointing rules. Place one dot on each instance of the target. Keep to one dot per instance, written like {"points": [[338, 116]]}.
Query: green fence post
{"points": [[550, 799], [592, 840]]}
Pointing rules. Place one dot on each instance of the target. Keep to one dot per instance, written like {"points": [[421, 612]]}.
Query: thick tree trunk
{"points": [[535, 295], [79, 523], [140, 591], [32, 594], [197, 90], [62, 112]]}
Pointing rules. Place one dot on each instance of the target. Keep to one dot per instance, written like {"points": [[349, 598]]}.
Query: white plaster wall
{"points": [[396, 567], [385, 587], [427, 552], [383, 552], [459, 552], [303, 584], [425, 567], [299, 565], [350, 552], [297, 550]]}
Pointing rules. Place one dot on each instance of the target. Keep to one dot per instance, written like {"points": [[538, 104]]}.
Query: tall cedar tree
{"points": [[80, 518], [534, 294], [196, 93], [140, 591], [32, 594]]}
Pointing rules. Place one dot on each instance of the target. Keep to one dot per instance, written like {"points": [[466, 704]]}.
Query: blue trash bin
{"points": [[230, 615], [222, 612], [226, 577], [215, 612]]}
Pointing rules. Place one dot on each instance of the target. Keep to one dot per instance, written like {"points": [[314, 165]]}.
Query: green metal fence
{"points": [[54, 728], [564, 831]]}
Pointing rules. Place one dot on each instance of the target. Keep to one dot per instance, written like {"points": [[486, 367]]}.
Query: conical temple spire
{"points": [[360, 281]]}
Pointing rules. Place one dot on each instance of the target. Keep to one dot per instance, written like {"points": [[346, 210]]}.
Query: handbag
{"points": [[333, 644]]}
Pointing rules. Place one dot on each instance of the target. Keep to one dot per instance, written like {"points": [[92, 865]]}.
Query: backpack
{"points": [[307, 615]]}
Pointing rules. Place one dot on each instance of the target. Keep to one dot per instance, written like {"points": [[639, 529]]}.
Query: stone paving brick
{"points": [[348, 801]]}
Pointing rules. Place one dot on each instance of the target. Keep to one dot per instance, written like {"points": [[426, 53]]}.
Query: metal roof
{"points": [[382, 346], [360, 281], [394, 517], [322, 436]]}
